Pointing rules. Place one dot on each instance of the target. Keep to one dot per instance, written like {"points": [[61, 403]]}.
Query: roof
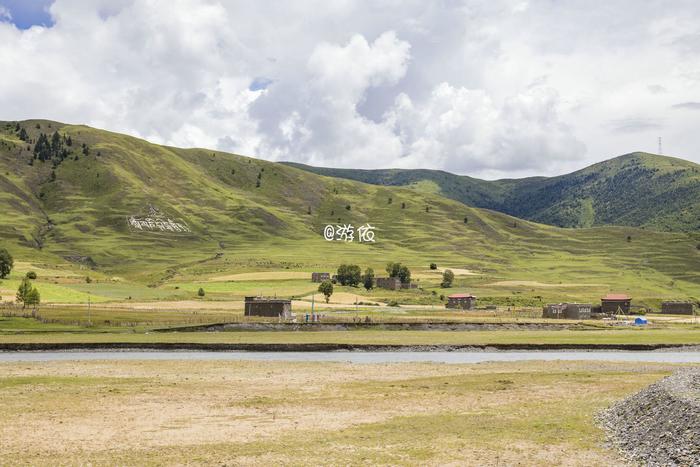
{"points": [[266, 300], [617, 296], [461, 295]]}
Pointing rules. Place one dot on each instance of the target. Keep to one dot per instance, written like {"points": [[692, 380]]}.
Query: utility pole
{"points": [[660, 153], [89, 318]]}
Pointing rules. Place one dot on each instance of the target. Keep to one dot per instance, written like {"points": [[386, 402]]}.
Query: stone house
{"points": [[269, 307], [320, 276], [567, 311], [461, 301], [677, 308], [391, 283], [612, 303]]}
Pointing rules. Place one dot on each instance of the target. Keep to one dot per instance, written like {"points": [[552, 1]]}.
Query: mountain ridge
{"points": [[636, 189]]}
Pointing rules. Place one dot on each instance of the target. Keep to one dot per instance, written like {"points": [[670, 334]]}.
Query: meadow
{"points": [[256, 229]]}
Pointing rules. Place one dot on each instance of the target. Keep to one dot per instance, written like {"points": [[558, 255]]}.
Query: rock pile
{"points": [[659, 426]]}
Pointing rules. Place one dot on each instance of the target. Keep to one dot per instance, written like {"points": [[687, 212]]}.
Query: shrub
{"points": [[393, 303], [404, 275], [326, 288], [349, 274], [31, 275], [368, 279], [88, 279], [433, 266], [397, 270], [200, 292], [393, 269], [6, 263], [447, 278], [25, 287], [33, 298]]}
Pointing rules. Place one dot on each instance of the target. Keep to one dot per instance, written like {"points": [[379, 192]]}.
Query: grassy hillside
{"points": [[638, 189], [70, 215]]}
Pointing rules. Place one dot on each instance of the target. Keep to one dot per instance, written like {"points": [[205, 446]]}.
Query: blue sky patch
{"points": [[28, 13], [260, 83]]}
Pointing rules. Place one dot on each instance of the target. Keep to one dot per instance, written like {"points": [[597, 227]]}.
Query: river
{"points": [[357, 357]]}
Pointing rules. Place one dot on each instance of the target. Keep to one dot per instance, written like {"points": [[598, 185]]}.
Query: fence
{"points": [[125, 317]]}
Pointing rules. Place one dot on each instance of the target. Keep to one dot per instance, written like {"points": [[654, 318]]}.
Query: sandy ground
{"points": [[177, 305], [263, 276], [342, 298], [264, 413]]}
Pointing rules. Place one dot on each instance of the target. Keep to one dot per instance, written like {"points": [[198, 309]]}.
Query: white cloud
{"points": [[487, 88], [464, 130]]}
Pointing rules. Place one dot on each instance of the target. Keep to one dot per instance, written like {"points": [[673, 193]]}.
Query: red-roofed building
{"points": [[614, 303], [461, 300]]}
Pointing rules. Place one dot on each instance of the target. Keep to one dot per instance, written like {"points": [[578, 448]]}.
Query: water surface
{"points": [[357, 357]]}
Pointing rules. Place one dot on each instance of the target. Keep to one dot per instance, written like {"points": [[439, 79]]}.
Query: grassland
{"points": [[270, 413], [68, 224], [276, 227]]}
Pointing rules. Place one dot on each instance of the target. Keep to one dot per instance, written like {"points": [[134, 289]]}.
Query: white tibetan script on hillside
{"points": [[155, 221]]}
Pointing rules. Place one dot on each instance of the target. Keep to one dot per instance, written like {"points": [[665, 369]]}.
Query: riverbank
{"points": [[333, 347], [373, 357], [397, 326], [311, 413], [612, 338]]}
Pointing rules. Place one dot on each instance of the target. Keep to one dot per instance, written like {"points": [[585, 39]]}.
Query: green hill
{"points": [[73, 209], [638, 189]]}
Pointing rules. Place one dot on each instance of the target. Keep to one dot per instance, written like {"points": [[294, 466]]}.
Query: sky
{"points": [[490, 89]]}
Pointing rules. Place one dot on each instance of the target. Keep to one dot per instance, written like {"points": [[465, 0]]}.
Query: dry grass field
{"points": [[274, 413]]}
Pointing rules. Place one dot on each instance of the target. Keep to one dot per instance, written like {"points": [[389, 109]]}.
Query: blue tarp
{"points": [[640, 321]]}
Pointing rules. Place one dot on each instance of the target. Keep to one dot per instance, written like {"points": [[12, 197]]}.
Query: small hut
{"points": [[567, 311], [269, 307], [613, 303], [461, 301], [391, 283], [677, 308], [320, 276]]}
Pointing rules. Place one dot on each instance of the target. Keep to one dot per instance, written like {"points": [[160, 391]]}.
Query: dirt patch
{"points": [[263, 276], [256, 413], [342, 298], [179, 305]]}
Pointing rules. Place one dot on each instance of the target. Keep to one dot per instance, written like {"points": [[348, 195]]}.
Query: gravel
{"points": [[660, 425]]}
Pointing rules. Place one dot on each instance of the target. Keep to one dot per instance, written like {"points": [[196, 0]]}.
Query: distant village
{"points": [[611, 306]]}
